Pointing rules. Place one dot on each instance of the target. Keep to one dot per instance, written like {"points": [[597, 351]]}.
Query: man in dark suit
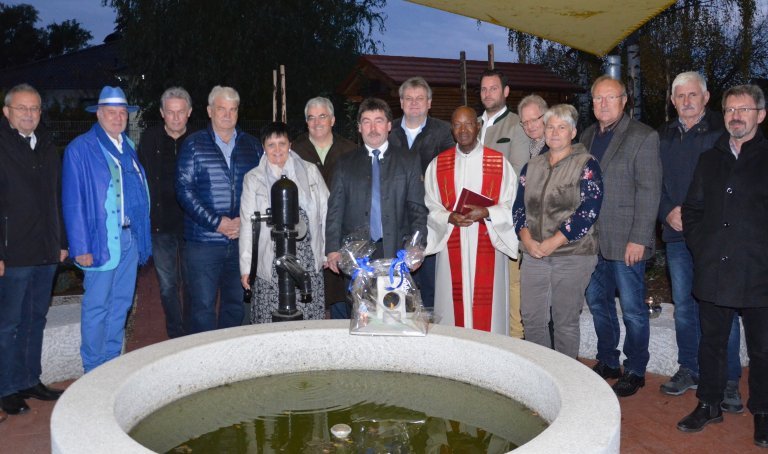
{"points": [[30, 209], [322, 147], [390, 208], [628, 152], [724, 215], [426, 137]]}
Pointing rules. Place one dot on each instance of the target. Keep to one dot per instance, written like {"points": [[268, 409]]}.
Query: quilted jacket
{"points": [[206, 187]]}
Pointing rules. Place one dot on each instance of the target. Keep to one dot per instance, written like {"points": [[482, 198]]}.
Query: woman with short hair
{"points": [[558, 201], [313, 203]]}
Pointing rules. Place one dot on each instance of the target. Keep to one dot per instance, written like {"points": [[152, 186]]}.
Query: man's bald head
{"points": [[465, 127]]}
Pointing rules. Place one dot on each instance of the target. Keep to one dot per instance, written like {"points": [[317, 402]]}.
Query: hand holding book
{"points": [[470, 207]]}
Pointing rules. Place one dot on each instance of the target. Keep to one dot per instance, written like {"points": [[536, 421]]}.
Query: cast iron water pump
{"points": [[283, 217]]}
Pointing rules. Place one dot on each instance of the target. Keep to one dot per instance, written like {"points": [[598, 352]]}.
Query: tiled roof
{"points": [[89, 68], [445, 72]]}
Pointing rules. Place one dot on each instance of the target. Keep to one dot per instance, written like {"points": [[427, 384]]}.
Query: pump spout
{"points": [[300, 277]]}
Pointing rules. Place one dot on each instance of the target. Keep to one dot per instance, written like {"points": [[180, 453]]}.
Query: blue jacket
{"points": [[206, 187], [91, 200]]}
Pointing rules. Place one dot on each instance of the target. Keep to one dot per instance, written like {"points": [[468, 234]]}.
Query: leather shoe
{"points": [[606, 371], [703, 414], [761, 430], [628, 384], [40, 392], [13, 404]]}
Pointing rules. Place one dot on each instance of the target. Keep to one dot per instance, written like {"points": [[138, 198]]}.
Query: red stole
{"points": [[482, 296]]}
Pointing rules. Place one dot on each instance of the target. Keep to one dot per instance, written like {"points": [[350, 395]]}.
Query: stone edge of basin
{"points": [[95, 412]]}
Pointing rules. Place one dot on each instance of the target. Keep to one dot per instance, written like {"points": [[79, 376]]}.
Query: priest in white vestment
{"points": [[479, 239]]}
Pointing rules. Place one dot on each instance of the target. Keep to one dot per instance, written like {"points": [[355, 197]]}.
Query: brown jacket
{"points": [[304, 148]]}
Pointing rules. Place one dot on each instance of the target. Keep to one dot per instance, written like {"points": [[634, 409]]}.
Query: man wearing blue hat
{"points": [[105, 200]]}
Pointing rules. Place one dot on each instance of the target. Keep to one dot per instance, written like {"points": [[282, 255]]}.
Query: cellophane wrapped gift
{"points": [[385, 299]]}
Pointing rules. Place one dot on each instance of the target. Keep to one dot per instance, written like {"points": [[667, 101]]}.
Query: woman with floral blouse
{"points": [[558, 201]]}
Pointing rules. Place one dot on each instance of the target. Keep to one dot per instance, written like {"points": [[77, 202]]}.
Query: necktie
{"points": [[376, 230], [29, 140]]}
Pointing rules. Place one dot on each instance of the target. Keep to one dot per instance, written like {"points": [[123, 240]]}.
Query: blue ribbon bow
{"points": [[362, 265], [397, 263]]}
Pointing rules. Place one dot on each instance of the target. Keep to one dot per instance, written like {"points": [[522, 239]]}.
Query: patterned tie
{"points": [[376, 230]]}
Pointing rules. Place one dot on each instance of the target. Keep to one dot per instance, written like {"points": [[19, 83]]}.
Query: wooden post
{"points": [[669, 90], [491, 62], [463, 76], [274, 95], [284, 110]]}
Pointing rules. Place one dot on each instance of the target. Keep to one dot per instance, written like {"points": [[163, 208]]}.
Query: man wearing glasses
{"points": [[531, 110], [322, 147], [32, 243], [628, 152], [725, 215], [425, 136]]}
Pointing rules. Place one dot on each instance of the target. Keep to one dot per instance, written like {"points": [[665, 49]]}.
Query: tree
{"points": [[722, 39], [22, 42], [20, 38], [65, 37], [198, 44]]}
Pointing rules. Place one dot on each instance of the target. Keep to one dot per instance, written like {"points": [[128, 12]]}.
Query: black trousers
{"points": [[713, 358]]}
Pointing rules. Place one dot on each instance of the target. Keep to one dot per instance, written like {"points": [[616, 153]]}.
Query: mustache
{"points": [[736, 122]]}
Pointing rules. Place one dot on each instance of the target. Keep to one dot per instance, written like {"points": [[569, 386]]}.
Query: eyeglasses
{"points": [[740, 110], [321, 117], [525, 124], [25, 109], [416, 100], [609, 98]]}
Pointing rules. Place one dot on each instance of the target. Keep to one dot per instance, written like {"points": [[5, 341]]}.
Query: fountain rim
{"points": [[583, 411]]}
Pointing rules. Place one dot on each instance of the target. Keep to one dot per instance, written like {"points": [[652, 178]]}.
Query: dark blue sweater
{"points": [[679, 155]]}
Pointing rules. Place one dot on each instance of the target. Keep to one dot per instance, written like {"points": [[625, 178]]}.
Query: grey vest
{"points": [[552, 195]]}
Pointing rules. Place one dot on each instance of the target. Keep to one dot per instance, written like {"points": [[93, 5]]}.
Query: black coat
{"points": [[31, 226], [158, 152], [403, 212], [726, 224], [433, 139]]}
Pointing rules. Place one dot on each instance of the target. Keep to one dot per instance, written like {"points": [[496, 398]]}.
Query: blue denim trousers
{"points": [[166, 252], [212, 268], [687, 325], [25, 294], [107, 299], [608, 277]]}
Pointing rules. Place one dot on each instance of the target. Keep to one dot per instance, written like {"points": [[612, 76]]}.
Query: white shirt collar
{"points": [[382, 149], [32, 141], [118, 143], [489, 121]]}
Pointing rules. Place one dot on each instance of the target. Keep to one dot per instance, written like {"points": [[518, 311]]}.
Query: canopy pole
{"points": [[463, 76]]}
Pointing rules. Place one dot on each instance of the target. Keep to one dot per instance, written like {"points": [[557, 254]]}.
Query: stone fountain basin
{"points": [[96, 412]]}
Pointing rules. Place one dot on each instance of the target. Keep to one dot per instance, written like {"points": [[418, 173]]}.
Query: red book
{"points": [[468, 197]]}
